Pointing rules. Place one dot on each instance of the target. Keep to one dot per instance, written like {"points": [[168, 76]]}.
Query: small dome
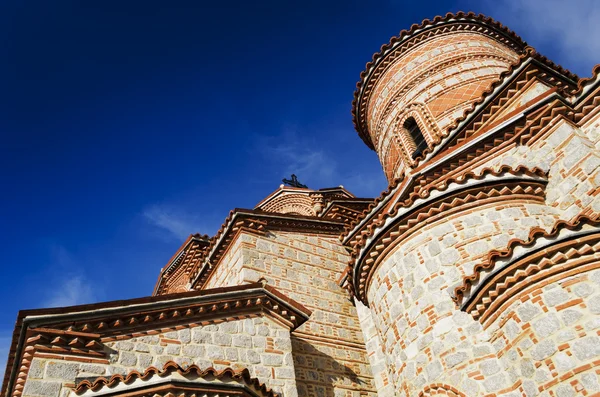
{"points": [[424, 80]]}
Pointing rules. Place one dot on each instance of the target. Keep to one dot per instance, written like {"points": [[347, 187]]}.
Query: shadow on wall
{"points": [[318, 374]]}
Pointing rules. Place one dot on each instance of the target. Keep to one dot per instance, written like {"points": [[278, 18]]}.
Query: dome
{"points": [[422, 81]]}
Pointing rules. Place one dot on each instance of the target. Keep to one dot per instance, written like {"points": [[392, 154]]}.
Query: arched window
{"points": [[417, 136]]}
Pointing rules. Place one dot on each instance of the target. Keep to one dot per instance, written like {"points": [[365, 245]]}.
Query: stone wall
{"points": [[427, 340], [329, 353], [259, 344], [377, 357], [230, 275], [570, 156], [546, 341]]}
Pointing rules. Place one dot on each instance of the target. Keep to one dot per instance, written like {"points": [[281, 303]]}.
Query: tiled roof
{"points": [[242, 375], [82, 330]]}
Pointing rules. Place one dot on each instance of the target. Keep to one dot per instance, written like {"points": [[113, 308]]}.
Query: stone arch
{"points": [[295, 204], [400, 145], [422, 116]]}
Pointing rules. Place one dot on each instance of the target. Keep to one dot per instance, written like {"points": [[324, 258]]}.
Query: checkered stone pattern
{"points": [[571, 156], [547, 341], [444, 75], [425, 338], [259, 344], [329, 349]]}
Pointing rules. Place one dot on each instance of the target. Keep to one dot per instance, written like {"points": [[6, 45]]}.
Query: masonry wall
{"points": [[426, 338], [231, 274], [259, 344], [329, 352], [377, 357], [545, 343], [547, 339], [571, 156], [433, 82]]}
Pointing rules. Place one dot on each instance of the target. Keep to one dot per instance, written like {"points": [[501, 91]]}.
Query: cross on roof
{"points": [[293, 182]]}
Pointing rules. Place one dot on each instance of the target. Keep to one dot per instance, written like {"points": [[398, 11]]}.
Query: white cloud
{"points": [[570, 28], [73, 287], [319, 166], [366, 184], [302, 157], [72, 291], [176, 222], [170, 220]]}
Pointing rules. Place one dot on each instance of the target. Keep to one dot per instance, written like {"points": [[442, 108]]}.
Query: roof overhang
{"points": [[84, 328]]}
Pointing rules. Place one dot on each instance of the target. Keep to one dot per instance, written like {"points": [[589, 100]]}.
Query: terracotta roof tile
{"points": [[242, 375], [83, 327], [534, 234]]}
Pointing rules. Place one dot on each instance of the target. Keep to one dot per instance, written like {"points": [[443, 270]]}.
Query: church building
{"points": [[476, 273]]}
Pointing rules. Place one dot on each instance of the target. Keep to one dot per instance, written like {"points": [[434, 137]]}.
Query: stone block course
{"points": [[194, 346]]}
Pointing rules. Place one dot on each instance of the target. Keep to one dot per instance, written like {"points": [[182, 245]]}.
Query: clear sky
{"points": [[127, 125]]}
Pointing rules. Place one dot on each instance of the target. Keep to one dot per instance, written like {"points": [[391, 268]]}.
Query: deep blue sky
{"points": [[127, 125]]}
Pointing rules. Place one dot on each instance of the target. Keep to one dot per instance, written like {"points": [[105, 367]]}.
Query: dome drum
{"points": [[433, 74]]}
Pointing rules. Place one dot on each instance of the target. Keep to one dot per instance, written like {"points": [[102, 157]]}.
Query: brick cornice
{"points": [[239, 220], [467, 144], [83, 330], [257, 222], [454, 194], [431, 123], [193, 249], [407, 39], [252, 386], [587, 82], [543, 250]]}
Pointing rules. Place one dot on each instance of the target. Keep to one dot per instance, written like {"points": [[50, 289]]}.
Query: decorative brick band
{"points": [[468, 144], [208, 382], [255, 222], [526, 262], [81, 331], [406, 40], [176, 272], [300, 204], [72, 343], [450, 196], [413, 82]]}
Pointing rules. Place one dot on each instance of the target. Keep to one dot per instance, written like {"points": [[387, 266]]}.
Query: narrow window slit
{"points": [[417, 136]]}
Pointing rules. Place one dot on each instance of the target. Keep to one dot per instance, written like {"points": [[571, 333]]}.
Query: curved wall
{"points": [[541, 334], [428, 341], [434, 82]]}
